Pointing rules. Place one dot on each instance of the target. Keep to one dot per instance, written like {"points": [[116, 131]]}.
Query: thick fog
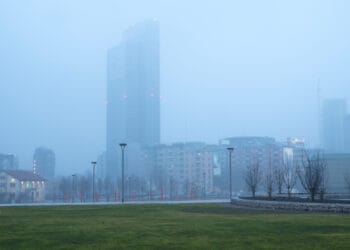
{"points": [[228, 68]]}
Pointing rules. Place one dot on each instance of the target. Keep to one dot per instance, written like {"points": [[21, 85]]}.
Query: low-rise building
{"points": [[338, 169], [21, 186]]}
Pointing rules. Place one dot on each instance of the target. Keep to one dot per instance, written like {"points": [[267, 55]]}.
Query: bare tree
{"points": [[289, 176], [65, 187], [253, 177], [312, 173], [269, 181], [84, 184], [324, 181], [278, 175], [108, 187], [99, 187], [159, 178]]}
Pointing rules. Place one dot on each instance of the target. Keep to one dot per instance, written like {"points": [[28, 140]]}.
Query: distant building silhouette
{"points": [[337, 170], [44, 162], [8, 162], [347, 134], [133, 95], [333, 117]]}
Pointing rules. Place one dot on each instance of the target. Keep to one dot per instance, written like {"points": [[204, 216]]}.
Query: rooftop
{"points": [[24, 175]]}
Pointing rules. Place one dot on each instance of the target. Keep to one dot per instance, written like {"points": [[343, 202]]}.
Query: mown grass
{"points": [[201, 226]]}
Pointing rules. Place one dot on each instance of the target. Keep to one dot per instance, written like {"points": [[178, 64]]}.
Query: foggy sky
{"points": [[228, 68]]}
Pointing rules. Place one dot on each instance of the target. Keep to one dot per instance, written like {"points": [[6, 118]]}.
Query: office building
{"points": [[332, 125], [133, 97], [338, 169], [8, 162], [44, 162], [182, 169]]}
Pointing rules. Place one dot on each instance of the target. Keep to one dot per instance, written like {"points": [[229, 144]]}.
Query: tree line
{"points": [[310, 170]]}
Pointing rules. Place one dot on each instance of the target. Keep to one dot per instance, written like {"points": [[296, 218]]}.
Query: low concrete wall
{"points": [[292, 206]]}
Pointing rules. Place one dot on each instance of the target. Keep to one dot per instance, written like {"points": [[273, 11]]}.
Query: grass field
{"points": [[200, 226]]}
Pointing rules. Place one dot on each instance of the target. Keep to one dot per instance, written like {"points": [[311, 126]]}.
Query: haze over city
{"points": [[227, 68]]}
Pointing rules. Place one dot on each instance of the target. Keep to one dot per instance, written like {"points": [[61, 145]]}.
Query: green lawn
{"points": [[198, 226]]}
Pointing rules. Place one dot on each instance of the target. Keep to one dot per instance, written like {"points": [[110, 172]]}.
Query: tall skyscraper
{"points": [[333, 117], [133, 95], [44, 162]]}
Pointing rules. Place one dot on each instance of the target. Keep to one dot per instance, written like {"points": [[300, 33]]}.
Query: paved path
{"points": [[115, 203]]}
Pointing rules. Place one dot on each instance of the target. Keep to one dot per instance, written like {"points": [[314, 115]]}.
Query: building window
{"points": [[12, 185]]}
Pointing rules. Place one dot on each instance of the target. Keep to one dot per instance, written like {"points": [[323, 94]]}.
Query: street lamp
{"points": [[122, 147], [230, 150], [93, 180]]}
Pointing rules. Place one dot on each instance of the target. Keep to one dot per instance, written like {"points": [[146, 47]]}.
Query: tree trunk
{"points": [[322, 195]]}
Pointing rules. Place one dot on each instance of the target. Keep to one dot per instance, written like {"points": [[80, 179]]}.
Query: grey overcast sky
{"points": [[228, 68]]}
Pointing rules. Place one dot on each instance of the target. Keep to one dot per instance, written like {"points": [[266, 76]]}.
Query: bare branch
{"points": [[289, 176], [278, 175], [312, 173], [253, 177]]}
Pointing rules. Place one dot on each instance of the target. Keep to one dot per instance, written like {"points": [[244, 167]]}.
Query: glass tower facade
{"points": [[133, 94]]}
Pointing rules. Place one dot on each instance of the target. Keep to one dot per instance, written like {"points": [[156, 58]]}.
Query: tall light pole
{"points": [[93, 180], [230, 150], [122, 147]]}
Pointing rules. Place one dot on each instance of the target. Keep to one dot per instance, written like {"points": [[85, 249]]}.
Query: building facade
{"points": [[264, 151], [338, 169], [21, 186], [44, 162], [182, 169], [8, 162], [133, 96], [333, 117]]}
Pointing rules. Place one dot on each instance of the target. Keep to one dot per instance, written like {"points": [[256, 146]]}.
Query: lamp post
{"points": [[122, 147], [230, 150], [93, 180]]}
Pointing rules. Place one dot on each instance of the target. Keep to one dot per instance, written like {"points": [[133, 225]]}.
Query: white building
{"points": [[21, 186]]}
